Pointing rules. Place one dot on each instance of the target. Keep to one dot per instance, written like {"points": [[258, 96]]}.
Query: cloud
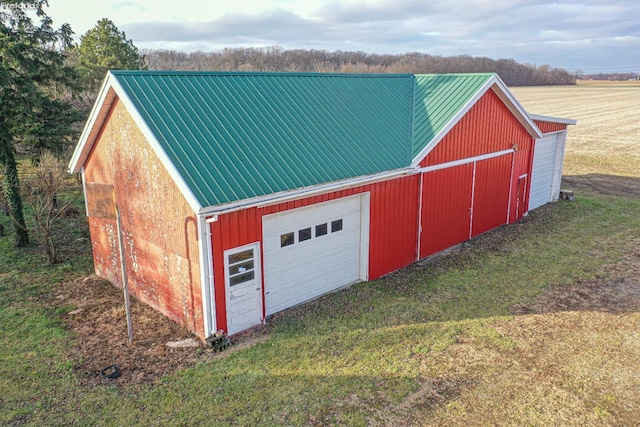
{"points": [[274, 25], [570, 34], [129, 5]]}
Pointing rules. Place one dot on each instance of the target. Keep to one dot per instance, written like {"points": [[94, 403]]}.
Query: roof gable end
{"points": [[441, 100], [109, 92]]}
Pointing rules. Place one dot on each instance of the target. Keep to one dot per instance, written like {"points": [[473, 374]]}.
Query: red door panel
{"points": [[491, 194], [446, 207]]}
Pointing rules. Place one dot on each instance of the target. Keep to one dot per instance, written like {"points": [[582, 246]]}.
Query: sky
{"points": [[587, 35]]}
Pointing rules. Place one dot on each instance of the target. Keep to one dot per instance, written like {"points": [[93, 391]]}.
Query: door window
{"points": [[241, 267]]}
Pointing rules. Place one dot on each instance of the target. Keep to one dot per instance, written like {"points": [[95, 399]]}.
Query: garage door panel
{"points": [[329, 258], [320, 266], [350, 253], [543, 171]]}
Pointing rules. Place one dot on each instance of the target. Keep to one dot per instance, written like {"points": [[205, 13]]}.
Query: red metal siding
{"points": [[492, 183], [487, 127], [548, 127], [446, 208], [392, 230], [394, 225], [446, 196]]}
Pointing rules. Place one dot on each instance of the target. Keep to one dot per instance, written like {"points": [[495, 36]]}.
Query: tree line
{"points": [[277, 59], [614, 77]]}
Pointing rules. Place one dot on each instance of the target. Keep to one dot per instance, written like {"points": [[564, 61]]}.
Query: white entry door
{"points": [[244, 287], [312, 250]]}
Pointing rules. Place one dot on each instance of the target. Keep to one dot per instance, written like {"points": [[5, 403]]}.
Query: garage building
{"points": [[244, 194]]}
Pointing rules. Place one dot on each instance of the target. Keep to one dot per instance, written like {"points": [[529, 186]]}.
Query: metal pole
{"points": [[125, 286]]}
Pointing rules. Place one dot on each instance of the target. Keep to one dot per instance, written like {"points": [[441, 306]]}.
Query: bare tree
{"points": [[43, 190]]}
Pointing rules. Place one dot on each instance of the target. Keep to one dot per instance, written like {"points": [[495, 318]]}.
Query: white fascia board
{"points": [[285, 196], [111, 83], [93, 125], [440, 136], [553, 119], [515, 107]]}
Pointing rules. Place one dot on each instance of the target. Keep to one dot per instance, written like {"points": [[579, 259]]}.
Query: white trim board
{"points": [[301, 193], [550, 119], [206, 277], [96, 121], [98, 114], [501, 90], [466, 161]]}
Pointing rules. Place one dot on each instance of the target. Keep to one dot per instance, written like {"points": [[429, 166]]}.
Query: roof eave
{"points": [[299, 193], [498, 86], [551, 119], [97, 117], [112, 89]]}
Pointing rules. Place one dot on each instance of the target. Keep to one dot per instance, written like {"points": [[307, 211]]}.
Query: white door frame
{"points": [[255, 283], [365, 225]]}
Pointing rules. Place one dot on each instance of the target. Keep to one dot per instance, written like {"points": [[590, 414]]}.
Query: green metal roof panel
{"points": [[439, 98], [233, 136]]}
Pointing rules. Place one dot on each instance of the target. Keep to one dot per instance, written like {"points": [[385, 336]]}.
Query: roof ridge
{"points": [[254, 73], [488, 74]]}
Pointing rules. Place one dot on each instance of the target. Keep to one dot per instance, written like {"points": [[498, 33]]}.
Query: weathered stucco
{"points": [[159, 227]]}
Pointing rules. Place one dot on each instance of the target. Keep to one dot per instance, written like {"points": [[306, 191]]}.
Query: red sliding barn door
{"points": [[492, 182], [446, 208], [460, 202]]}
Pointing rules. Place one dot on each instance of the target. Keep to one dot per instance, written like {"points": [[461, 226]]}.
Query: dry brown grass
{"points": [[607, 137], [574, 360]]}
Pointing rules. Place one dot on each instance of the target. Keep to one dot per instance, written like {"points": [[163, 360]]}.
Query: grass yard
{"points": [[536, 323]]}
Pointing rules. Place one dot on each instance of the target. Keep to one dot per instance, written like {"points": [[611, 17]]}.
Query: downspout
{"points": [[418, 248], [473, 200], [417, 167], [527, 188], [206, 276], [84, 191]]}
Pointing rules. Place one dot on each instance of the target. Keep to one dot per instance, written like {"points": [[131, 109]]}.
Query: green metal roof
{"points": [[233, 136], [437, 100]]}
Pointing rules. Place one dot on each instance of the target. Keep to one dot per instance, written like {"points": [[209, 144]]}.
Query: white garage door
{"points": [[310, 251], [544, 161]]}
